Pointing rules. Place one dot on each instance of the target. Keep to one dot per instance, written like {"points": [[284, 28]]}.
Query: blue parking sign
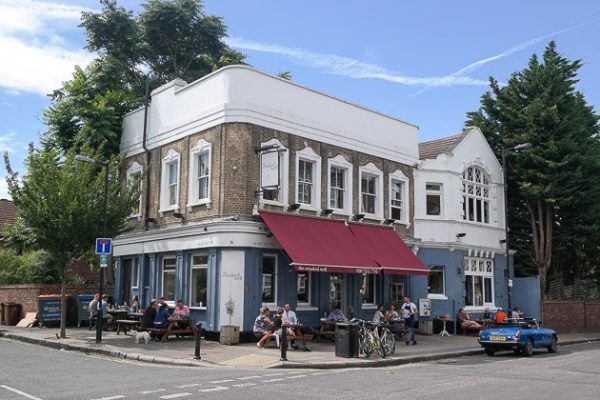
{"points": [[103, 245]]}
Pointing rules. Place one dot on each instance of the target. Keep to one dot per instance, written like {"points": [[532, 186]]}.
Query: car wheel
{"points": [[517, 351], [553, 346], [528, 349], [489, 352]]}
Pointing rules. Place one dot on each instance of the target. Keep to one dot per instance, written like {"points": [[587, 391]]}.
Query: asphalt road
{"points": [[34, 372]]}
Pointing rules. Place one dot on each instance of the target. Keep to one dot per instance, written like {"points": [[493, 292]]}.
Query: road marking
{"points": [[273, 380], [244, 384], [153, 391], [222, 381], [175, 395], [119, 396], [317, 373], [190, 385], [17, 391], [249, 377], [275, 374], [297, 376], [214, 389]]}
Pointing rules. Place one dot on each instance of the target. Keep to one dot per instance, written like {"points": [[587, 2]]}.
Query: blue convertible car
{"points": [[518, 335]]}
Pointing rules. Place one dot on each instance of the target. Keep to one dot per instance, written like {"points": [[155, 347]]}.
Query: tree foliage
{"points": [[169, 39], [33, 267], [553, 187]]}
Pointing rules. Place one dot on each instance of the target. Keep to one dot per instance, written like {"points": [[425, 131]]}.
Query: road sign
{"points": [[103, 245], [103, 260]]}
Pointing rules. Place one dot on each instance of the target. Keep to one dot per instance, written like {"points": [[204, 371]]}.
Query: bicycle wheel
{"points": [[388, 342], [378, 345], [364, 345]]}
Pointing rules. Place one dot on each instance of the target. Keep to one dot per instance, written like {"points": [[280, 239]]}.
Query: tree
{"points": [[554, 186], [61, 201], [169, 38]]}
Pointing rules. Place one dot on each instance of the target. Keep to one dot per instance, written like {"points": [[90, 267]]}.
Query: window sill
{"points": [[172, 208], [206, 202], [373, 217], [306, 307], [369, 306], [198, 308], [271, 203], [437, 296]]}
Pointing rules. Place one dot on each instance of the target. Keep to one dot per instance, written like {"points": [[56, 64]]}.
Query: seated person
{"points": [[290, 318], [500, 316], [350, 313], [467, 323], [261, 328], [516, 313], [277, 324], [162, 317], [135, 305], [393, 318], [379, 317], [336, 315], [149, 315], [182, 314]]}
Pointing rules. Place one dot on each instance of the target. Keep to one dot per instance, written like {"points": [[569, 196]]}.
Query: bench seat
{"points": [[126, 324]]}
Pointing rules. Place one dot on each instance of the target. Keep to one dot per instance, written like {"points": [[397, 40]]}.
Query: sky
{"points": [[424, 62]]}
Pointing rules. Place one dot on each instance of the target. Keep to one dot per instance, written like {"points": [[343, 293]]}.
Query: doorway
{"points": [[126, 280], [337, 292], [397, 294]]}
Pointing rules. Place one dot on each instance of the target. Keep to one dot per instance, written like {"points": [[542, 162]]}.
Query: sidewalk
{"points": [[181, 351]]}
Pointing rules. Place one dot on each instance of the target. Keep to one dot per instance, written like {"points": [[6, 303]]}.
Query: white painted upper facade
{"points": [[445, 173], [243, 94]]}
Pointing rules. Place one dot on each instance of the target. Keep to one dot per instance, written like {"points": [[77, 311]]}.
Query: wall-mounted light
{"points": [[293, 207], [460, 235], [326, 212], [358, 217], [268, 233], [389, 221]]}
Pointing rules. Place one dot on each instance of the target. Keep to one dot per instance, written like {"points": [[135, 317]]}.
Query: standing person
{"points": [[409, 313], [149, 315]]}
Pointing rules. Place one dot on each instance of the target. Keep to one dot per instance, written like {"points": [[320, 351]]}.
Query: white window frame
{"points": [[439, 193], [438, 296], [372, 170], [197, 267], [375, 289], [484, 185], [480, 264], [174, 272], [284, 172], [273, 283], [172, 157], [135, 273], [405, 211], [309, 292], [200, 148], [134, 170], [341, 162], [309, 155]]}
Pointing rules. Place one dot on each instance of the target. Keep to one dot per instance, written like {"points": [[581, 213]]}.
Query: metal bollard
{"points": [[283, 343], [198, 340]]}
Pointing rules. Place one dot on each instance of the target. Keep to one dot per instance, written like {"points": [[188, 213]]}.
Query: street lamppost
{"points": [[518, 147], [89, 160]]}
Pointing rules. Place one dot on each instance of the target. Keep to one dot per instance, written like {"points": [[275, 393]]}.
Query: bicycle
{"points": [[375, 338], [366, 339]]}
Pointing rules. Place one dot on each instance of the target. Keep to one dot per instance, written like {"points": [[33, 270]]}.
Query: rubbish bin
{"points": [[48, 309], [346, 340], [83, 314], [11, 313]]}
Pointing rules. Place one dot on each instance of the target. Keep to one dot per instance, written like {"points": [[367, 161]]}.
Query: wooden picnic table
{"points": [[174, 329]]}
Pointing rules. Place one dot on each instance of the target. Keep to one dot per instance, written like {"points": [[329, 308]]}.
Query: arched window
{"points": [[476, 195]]}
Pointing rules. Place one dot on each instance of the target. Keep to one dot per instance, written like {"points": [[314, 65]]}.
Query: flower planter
{"points": [[230, 334]]}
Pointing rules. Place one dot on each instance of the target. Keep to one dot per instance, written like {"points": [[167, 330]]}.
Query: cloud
{"points": [[6, 142], [4, 189], [32, 17], [351, 68]]}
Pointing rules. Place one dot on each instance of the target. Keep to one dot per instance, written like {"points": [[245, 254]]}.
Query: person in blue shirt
{"points": [[162, 317], [336, 315]]}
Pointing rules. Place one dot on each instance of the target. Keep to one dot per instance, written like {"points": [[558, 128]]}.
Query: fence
{"points": [[578, 290]]}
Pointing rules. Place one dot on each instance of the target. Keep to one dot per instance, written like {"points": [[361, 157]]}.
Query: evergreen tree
{"points": [[554, 186]]}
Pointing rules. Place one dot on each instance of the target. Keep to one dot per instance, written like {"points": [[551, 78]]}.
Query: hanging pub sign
{"points": [[269, 169]]}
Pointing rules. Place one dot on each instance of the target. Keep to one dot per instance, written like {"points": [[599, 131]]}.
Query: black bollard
{"points": [[198, 339], [283, 343]]}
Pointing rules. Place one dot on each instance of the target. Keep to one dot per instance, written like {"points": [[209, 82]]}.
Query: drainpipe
{"points": [[146, 154]]}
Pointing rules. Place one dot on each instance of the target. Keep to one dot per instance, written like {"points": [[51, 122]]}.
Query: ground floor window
{"points": [[304, 286], [436, 280], [397, 294], [169, 266], [199, 281], [269, 279], [479, 282], [369, 289]]}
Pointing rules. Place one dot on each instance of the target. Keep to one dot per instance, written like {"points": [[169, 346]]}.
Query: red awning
{"points": [[319, 244], [388, 249], [335, 246]]}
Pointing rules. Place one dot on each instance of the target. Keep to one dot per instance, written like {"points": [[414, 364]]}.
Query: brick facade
{"points": [[235, 173]]}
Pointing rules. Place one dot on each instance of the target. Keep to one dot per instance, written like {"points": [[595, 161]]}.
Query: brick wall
{"points": [[571, 316], [26, 295], [235, 172]]}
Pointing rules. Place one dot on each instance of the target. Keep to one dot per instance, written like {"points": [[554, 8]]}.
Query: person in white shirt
{"points": [[379, 317], [409, 313], [289, 317]]}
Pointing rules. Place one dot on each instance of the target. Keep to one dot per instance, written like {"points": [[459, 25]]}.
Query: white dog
{"points": [[141, 336]]}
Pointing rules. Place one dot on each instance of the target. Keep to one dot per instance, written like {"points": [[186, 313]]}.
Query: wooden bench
{"points": [[126, 324], [173, 330]]}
